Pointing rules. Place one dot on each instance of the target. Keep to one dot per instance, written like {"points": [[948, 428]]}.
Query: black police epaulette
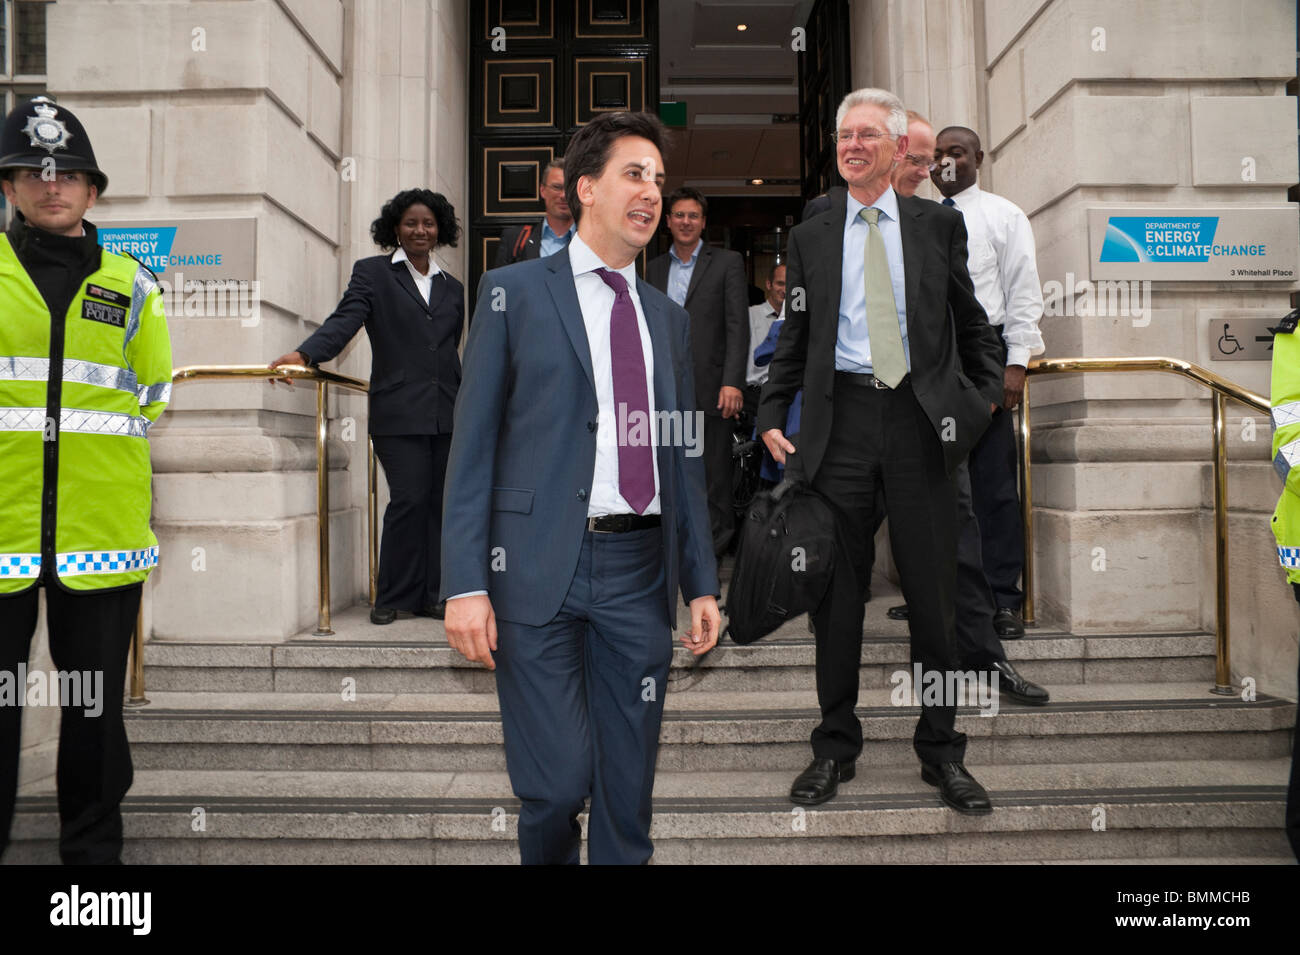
{"points": [[142, 265], [1288, 324]]}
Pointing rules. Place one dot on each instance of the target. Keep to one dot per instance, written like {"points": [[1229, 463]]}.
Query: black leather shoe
{"points": [[1017, 687], [820, 780], [957, 788], [897, 613], [382, 615], [438, 611], [1007, 625]]}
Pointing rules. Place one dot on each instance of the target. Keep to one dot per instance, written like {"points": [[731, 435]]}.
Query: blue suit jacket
{"points": [[523, 449]]}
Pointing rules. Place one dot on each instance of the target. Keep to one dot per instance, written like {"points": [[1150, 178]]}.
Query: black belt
{"points": [[869, 381], [622, 523]]}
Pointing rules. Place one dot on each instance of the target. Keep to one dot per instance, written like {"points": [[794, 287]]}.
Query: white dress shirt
{"points": [[596, 299], [1000, 258], [761, 317], [852, 343], [423, 280]]}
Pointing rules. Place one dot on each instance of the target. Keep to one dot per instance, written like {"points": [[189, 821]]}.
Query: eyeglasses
{"points": [[684, 216], [553, 187], [921, 162], [864, 136]]}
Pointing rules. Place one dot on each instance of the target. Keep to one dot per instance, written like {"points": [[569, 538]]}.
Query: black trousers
{"points": [[718, 477], [994, 478], [978, 645], [883, 446], [89, 631], [1293, 790], [410, 552]]}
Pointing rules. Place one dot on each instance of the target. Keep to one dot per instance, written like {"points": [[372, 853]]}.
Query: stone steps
{"points": [[702, 730], [424, 663], [1170, 811], [410, 767]]}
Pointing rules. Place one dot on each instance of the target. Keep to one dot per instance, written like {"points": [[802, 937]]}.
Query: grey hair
{"points": [[896, 124]]}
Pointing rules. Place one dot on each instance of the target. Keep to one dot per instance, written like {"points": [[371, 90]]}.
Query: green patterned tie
{"points": [[888, 362]]}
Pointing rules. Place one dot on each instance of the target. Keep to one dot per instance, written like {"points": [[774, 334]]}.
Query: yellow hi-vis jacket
{"points": [[115, 381], [1285, 399]]}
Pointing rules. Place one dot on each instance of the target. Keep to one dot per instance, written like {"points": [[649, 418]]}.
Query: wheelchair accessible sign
{"points": [[1189, 245]]}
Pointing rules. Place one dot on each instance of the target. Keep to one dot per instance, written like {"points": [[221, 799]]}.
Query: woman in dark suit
{"points": [[413, 312]]}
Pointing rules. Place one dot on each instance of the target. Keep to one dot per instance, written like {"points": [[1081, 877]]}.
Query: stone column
{"points": [[305, 115]]}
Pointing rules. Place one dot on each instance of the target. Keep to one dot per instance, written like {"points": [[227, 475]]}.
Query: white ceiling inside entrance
{"points": [[741, 93]]}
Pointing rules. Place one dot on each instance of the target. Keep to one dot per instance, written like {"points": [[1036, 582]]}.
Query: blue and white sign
{"points": [[1235, 244]]}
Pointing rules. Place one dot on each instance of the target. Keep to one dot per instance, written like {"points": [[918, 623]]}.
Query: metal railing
{"points": [[323, 380], [1222, 390]]}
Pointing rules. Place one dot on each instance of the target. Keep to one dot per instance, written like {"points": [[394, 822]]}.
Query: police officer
{"points": [[1285, 398], [85, 369]]}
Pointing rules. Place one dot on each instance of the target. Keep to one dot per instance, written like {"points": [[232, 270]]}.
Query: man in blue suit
{"points": [[575, 506]]}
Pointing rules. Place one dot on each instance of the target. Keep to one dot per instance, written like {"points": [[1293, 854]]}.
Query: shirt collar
{"points": [[967, 196], [695, 253], [547, 230], [887, 203], [400, 256], [582, 260]]}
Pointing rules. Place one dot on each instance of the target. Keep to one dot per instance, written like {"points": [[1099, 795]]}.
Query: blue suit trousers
{"points": [[581, 704]]}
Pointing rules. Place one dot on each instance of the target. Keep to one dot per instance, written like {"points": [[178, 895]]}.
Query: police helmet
{"points": [[40, 130]]}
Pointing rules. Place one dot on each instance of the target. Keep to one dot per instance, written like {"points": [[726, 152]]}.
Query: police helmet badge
{"points": [[46, 131]]}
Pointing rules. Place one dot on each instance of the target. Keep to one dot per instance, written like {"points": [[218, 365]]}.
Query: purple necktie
{"points": [[636, 479]]}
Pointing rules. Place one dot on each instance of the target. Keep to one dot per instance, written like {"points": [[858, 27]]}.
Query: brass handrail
{"points": [[1223, 389], [323, 380]]}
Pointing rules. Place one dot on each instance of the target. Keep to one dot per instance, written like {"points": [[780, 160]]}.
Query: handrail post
{"points": [[1026, 513], [1222, 671], [135, 696], [372, 500], [322, 512]]}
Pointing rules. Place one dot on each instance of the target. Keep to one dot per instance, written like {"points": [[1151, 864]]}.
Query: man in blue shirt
{"points": [[536, 240], [710, 284]]}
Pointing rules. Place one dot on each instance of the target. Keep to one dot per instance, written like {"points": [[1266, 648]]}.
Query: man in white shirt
{"points": [[1000, 258], [761, 317]]}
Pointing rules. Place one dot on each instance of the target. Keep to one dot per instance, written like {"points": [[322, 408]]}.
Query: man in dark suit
{"points": [[900, 372], [574, 516], [549, 234], [710, 284]]}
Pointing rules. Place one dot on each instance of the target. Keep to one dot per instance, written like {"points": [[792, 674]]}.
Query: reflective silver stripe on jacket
{"points": [[148, 394], [82, 372], [75, 420], [140, 289], [1288, 456], [1287, 414]]}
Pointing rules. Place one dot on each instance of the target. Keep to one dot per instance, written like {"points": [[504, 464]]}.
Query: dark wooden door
{"points": [[539, 69], [824, 80]]}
